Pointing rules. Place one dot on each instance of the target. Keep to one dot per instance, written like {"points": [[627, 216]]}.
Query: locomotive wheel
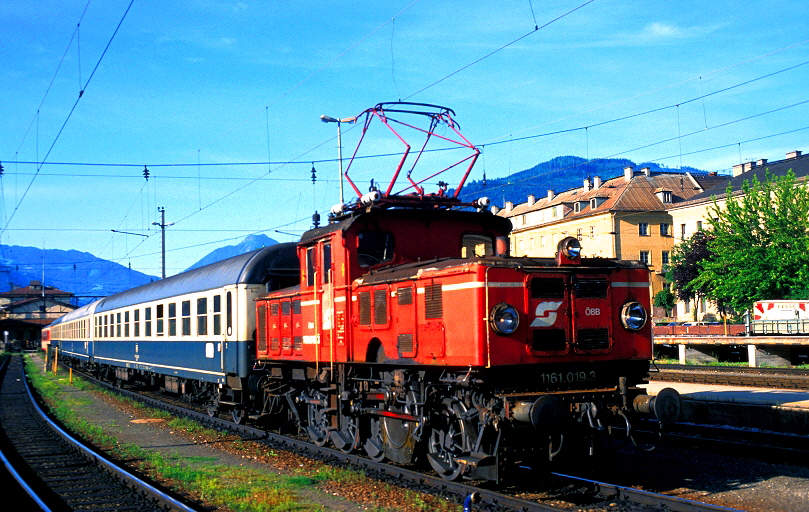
{"points": [[348, 437], [374, 445], [446, 441], [212, 410], [400, 437], [237, 415], [318, 424]]}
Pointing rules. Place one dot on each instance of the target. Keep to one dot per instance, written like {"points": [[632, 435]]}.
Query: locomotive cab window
{"points": [[476, 246], [374, 247]]}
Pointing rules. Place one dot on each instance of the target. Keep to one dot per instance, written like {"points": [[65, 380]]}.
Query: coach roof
{"points": [[254, 267]]}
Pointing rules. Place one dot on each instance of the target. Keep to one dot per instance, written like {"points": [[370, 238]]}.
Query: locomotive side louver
{"points": [[404, 296], [285, 308], [433, 301], [593, 339], [297, 343], [261, 332], [548, 340], [380, 307], [274, 344], [405, 343], [365, 307], [591, 288]]}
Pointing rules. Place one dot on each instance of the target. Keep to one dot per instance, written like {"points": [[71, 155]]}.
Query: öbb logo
{"points": [[546, 314]]}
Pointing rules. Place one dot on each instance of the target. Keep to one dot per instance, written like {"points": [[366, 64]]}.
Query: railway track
{"points": [[612, 497], [55, 470], [780, 378]]}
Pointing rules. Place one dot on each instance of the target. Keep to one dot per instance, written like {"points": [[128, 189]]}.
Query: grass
{"points": [[236, 488]]}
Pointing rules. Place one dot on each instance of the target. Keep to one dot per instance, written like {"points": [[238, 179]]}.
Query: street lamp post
{"points": [[327, 119]]}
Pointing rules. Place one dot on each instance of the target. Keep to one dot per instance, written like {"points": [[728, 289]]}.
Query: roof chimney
{"points": [[586, 185], [509, 206], [550, 195], [761, 162], [628, 172], [646, 171], [494, 210], [738, 169], [793, 154], [596, 182], [531, 199]]}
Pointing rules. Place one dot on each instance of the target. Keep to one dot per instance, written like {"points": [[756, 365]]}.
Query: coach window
{"points": [[172, 319], [159, 314], [202, 316], [186, 310], [126, 324], [374, 247], [106, 320], [136, 322], [229, 314], [147, 321], [217, 317]]}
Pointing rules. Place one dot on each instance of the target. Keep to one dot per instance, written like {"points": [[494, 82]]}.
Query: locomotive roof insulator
{"points": [[371, 197], [338, 209], [482, 203], [568, 252]]}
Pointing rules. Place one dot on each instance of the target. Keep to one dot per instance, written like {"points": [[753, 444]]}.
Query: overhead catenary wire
{"points": [[69, 115]]}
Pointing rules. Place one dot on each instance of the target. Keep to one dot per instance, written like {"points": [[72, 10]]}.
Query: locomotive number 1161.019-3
{"points": [[568, 377]]}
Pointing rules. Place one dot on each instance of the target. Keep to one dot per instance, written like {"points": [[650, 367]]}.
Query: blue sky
{"points": [[184, 85]]}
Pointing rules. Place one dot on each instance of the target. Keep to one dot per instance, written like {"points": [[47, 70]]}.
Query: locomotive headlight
{"points": [[633, 316], [570, 247], [504, 319]]}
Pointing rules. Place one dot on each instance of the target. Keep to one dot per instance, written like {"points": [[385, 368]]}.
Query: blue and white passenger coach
{"points": [[196, 328]]}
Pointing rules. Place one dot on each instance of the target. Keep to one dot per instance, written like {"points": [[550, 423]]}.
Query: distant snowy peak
{"points": [[250, 243]]}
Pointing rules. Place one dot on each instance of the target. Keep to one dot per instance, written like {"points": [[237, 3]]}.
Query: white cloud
{"points": [[662, 30]]}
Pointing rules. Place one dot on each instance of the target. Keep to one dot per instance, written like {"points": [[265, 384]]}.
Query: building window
{"points": [[664, 260], [682, 231], [664, 229], [643, 229], [644, 257], [592, 231], [542, 241], [699, 225]]}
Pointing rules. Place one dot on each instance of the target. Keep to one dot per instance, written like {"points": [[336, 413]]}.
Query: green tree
{"points": [[759, 244], [685, 269], [665, 299]]}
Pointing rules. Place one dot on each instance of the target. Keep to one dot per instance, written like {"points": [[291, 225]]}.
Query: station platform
{"points": [[778, 410]]}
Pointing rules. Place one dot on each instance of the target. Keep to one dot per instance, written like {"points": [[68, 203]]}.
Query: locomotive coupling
{"points": [[665, 405]]}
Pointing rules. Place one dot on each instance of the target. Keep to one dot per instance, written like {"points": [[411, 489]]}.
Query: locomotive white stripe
{"points": [[476, 284]]}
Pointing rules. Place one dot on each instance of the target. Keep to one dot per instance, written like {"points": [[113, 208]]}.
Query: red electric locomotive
{"points": [[413, 333]]}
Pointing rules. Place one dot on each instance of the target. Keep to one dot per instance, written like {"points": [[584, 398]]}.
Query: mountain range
{"points": [[90, 277]]}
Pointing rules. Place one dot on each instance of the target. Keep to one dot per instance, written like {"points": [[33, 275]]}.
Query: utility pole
{"points": [[163, 227]]}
